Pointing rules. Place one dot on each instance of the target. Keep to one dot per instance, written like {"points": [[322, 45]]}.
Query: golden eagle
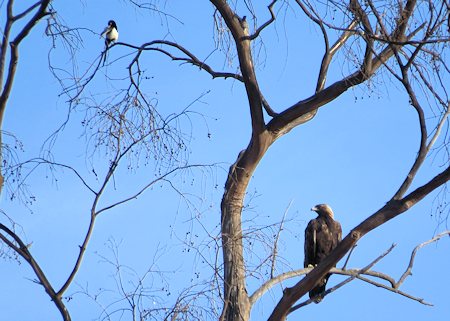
{"points": [[322, 235]]}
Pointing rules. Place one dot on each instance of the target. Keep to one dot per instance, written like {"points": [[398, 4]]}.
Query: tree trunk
{"points": [[236, 306]]}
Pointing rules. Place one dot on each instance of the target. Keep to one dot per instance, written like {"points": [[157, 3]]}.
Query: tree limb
{"points": [[22, 249], [267, 23], [383, 215], [413, 256], [275, 243], [242, 42], [329, 52], [354, 274], [6, 87], [291, 274]]}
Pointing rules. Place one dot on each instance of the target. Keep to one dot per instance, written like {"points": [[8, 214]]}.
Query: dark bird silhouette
{"points": [[322, 235]]}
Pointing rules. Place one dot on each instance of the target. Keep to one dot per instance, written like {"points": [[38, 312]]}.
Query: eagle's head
{"points": [[323, 210]]}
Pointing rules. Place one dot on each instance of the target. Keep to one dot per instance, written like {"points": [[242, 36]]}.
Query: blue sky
{"points": [[353, 156]]}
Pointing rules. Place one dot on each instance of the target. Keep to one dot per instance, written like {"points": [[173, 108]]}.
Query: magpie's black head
{"points": [[112, 23]]}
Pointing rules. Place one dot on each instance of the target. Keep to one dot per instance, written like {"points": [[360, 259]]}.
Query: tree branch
{"points": [[275, 243], [267, 23], [409, 296], [302, 111], [5, 90], [93, 216], [329, 52], [24, 252], [386, 213], [361, 16], [191, 58], [344, 267], [241, 38], [291, 274], [354, 274], [413, 256], [144, 188], [26, 11]]}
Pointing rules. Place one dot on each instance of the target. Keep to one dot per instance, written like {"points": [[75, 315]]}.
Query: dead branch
{"points": [[155, 45], [389, 211], [283, 277], [267, 23], [360, 274], [353, 276], [188, 58], [329, 54], [22, 249], [413, 256], [420, 300], [348, 257], [147, 186], [7, 75], [275, 243], [329, 51], [393, 287]]}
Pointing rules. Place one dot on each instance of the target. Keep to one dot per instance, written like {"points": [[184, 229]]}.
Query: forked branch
{"points": [[17, 245], [386, 213], [365, 274], [267, 23], [413, 256], [353, 273]]}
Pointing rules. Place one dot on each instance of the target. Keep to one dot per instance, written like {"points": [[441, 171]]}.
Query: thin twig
{"points": [[275, 245], [267, 23], [348, 256], [383, 286], [362, 271], [413, 256]]}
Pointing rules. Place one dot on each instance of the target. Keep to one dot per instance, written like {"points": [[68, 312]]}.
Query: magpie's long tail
{"points": [[105, 52]]}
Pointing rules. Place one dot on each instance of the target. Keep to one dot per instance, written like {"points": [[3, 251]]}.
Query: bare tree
{"points": [[393, 36], [125, 127], [406, 41]]}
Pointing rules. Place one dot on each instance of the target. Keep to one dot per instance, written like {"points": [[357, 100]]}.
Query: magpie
{"points": [[111, 34]]}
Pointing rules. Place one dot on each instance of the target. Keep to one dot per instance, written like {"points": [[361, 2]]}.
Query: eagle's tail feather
{"points": [[317, 292]]}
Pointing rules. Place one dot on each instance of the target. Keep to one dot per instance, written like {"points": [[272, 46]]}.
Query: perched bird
{"points": [[244, 24], [110, 33], [322, 235]]}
